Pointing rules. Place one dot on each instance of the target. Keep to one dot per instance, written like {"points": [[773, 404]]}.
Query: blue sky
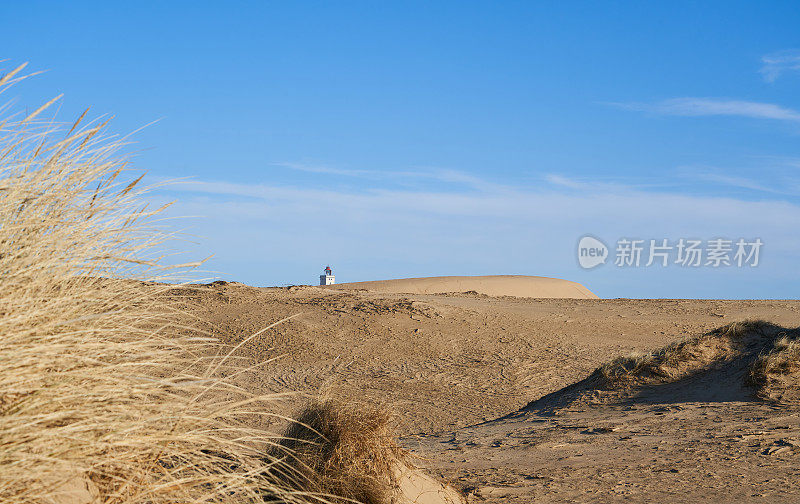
{"points": [[397, 139]]}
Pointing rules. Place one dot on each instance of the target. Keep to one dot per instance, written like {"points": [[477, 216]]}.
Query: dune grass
{"points": [[782, 359], [775, 373], [756, 357], [102, 388], [346, 451], [677, 359], [769, 354]]}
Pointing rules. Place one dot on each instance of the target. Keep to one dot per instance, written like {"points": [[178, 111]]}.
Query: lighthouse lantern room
{"points": [[327, 278]]}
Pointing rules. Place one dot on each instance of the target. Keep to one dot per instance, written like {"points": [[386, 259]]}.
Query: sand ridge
{"points": [[490, 285]]}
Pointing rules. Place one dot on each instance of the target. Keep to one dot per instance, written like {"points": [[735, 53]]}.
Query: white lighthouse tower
{"points": [[327, 278]]}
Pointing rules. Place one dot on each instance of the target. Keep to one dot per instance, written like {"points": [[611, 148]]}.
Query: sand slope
{"points": [[494, 285]]}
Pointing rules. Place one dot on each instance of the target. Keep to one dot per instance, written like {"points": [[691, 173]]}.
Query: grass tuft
{"points": [[344, 451], [775, 373]]}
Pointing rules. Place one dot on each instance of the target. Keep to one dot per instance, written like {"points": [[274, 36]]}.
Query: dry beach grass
{"points": [[100, 395], [343, 450]]}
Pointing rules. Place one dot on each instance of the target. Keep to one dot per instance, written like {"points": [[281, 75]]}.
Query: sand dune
{"points": [[741, 361], [682, 428], [493, 285]]}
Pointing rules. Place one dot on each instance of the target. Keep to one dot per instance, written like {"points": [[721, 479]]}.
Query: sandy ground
{"points": [[458, 368]]}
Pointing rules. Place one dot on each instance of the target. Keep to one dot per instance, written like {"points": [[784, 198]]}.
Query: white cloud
{"points": [[715, 107], [326, 170], [466, 203], [740, 182], [595, 186], [585, 205], [778, 63], [421, 173], [570, 183], [775, 177]]}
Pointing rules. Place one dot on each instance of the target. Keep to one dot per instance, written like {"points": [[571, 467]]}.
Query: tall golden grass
{"points": [[102, 388], [347, 452]]}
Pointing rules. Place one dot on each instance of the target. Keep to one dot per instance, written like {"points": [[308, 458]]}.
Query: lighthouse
{"points": [[327, 278]]}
